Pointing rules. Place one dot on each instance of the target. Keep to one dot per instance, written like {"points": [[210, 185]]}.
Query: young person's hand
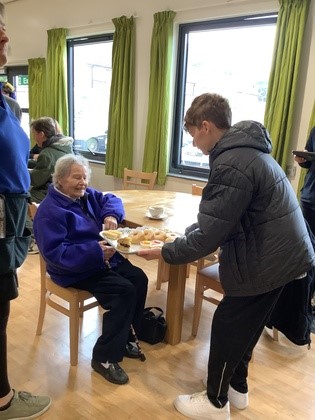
{"points": [[150, 254]]}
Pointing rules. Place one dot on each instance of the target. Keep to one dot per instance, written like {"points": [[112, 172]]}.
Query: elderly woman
{"points": [[66, 228]]}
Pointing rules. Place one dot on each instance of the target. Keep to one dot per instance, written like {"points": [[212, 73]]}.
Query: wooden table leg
{"points": [[175, 303], [163, 273]]}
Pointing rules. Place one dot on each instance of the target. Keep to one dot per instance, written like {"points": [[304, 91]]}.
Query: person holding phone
{"points": [[307, 198]]}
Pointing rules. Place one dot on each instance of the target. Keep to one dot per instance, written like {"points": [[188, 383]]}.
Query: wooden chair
{"points": [[75, 303], [208, 287], [207, 278], [196, 189], [139, 180]]}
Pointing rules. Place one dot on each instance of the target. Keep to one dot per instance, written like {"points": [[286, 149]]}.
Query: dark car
{"points": [[95, 144]]}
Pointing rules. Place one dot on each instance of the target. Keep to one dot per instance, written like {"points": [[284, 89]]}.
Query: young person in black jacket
{"points": [[249, 210]]}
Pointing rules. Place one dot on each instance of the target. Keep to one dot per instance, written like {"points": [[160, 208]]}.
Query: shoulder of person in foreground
{"points": [[14, 106]]}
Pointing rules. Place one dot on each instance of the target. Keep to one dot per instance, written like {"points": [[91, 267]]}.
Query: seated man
{"points": [[66, 228], [53, 145]]}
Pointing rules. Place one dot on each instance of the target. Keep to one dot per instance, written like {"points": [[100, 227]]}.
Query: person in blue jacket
{"points": [[66, 227], [14, 241]]}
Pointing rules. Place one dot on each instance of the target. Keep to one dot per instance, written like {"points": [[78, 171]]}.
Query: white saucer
{"points": [[164, 216]]}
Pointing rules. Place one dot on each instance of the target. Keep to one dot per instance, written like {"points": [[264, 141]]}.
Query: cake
{"points": [[123, 244], [112, 234]]}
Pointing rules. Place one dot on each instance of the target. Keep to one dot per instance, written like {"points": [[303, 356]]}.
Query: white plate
{"points": [[134, 248], [113, 242], [164, 216]]}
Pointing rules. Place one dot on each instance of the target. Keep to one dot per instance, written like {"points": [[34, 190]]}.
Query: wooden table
{"points": [[182, 209]]}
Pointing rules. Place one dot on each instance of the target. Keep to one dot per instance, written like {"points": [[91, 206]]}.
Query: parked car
{"points": [[95, 144], [191, 156]]}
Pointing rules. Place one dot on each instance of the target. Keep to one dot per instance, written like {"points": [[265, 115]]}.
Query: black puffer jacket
{"points": [[250, 210]]}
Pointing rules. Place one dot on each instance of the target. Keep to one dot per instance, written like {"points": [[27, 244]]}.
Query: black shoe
{"points": [[114, 373], [132, 351]]}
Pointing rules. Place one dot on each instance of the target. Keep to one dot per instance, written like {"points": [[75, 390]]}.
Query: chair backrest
{"points": [[32, 208], [207, 278], [139, 180], [196, 189]]}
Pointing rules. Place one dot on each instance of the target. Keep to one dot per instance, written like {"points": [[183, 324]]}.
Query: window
{"points": [[231, 57], [18, 77], [89, 80]]}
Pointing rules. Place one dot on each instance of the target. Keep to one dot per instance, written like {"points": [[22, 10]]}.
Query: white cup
{"points": [[156, 211]]}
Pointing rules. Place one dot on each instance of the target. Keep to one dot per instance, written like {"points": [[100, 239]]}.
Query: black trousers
{"points": [[4, 317], [13, 250], [309, 216], [122, 292], [236, 327]]}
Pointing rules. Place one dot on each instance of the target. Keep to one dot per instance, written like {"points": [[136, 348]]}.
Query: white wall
{"points": [[28, 20]]}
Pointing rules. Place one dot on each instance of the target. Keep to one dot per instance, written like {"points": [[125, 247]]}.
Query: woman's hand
{"points": [[110, 223], [108, 251], [300, 159], [150, 254]]}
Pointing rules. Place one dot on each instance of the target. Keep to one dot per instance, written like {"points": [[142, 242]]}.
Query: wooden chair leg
{"points": [[197, 309], [42, 311], [74, 317], [275, 334], [81, 305], [188, 271]]}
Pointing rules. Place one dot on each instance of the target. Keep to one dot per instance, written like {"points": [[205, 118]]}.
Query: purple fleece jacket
{"points": [[67, 235]]}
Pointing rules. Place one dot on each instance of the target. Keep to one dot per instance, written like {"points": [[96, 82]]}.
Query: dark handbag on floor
{"points": [[153, 325]]}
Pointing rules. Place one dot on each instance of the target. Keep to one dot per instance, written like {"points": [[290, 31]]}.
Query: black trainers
{"points": [[114, 373], [132, 351], [32, 250]]}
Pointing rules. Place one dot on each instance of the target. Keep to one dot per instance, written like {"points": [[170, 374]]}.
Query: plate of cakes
{"points": [[130, 241]]}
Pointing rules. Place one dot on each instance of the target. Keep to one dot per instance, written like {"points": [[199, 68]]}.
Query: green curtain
{"points": [[57, 102], [37, 89], [303, 170], [156, 147], [119, 151], [282, 86]]}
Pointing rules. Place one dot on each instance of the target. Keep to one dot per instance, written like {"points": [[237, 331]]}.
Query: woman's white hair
{"points": [[64, 164]]}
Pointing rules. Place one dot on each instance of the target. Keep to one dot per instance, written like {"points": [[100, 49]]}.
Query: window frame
{"points": [[13, 71], [72, 42], [175, 167]]}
